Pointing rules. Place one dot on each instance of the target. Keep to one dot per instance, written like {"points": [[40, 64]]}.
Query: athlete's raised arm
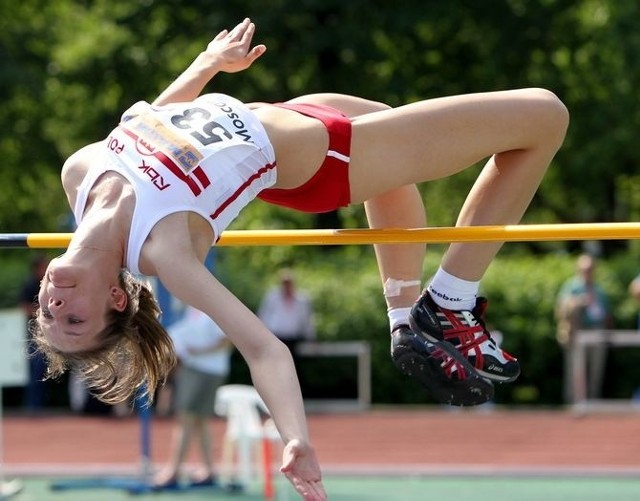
{"points": [[229, 51]]}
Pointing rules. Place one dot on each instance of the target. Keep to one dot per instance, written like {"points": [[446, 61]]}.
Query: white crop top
{"points": [[210, 156]]}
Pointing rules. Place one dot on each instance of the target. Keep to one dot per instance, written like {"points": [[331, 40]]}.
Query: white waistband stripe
{"points": [[339, 156]]}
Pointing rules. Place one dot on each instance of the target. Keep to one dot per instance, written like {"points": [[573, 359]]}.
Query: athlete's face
{"points": [[74, 303]]}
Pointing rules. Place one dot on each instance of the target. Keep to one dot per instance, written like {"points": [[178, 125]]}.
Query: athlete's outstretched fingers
{"points": [[247, 34], [310, 491], [240, 29], [221, 35]]}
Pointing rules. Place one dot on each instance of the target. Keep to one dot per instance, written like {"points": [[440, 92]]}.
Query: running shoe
{"points": [[170, 485], [203, 482], [466, 331], [448, 377]]}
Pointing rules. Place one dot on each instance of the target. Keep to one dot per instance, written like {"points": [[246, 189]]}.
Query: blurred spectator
{"points": [[288, 312], [204, 357], [35, 391], [582, 305], [634, 290]]}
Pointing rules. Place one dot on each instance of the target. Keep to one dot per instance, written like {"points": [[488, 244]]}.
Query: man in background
{"points": [[583, 305], [288, 312], [204, 359]]}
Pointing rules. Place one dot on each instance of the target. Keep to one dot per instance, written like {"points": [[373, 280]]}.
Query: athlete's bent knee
{"points": [[551, 112]]}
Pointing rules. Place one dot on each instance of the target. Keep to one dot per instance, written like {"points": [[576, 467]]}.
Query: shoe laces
{"points": [[479, 314], [446, 361]]}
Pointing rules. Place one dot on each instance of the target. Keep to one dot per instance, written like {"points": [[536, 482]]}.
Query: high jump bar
{"points": [[362, 236]]}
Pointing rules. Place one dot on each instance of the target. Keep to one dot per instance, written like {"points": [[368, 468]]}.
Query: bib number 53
{"points": [[205, 133]]}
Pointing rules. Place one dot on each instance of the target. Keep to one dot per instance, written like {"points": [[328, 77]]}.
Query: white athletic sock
{"points": [[453, 293], [398, 316]]}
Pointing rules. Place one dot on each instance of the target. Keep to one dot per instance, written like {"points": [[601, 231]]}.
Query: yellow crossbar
{"points": [[509, 233]]}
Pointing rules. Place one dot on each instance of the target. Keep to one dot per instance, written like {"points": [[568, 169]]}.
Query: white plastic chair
{"points": [[245, 433]]}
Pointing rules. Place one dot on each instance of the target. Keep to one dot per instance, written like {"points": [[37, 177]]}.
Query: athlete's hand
{"points": [[300, 466], [231, 51]]}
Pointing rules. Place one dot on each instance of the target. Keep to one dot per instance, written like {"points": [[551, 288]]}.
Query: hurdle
{"points": [[366, 236]]}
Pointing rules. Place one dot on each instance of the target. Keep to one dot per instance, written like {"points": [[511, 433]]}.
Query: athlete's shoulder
{"points": [[75, 168]]}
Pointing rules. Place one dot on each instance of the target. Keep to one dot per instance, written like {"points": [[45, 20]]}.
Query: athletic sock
{"points": [[398, 316], [453, 293]]}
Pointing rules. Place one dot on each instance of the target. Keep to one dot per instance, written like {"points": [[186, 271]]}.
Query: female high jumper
{"points": [[154, 196]]}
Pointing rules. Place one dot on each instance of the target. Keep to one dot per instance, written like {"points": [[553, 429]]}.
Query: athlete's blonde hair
{"points": [[135, 353]]}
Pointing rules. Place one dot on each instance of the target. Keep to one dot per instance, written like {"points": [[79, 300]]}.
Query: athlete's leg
{"points": [[400, 265], [400, 207], [519, 130], [446, 374], [500, 195]]}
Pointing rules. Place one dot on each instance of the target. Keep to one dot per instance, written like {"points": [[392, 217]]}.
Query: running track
{"points": [[427, 441]]}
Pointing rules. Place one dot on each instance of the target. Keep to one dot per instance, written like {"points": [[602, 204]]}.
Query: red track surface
{"points": [[380, 439]]}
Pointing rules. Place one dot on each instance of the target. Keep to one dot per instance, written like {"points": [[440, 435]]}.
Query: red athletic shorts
{"points": [[328, 189]]}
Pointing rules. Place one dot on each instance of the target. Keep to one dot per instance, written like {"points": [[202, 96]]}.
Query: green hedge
{"points": [[13, 272], [349, 305], [344, 285]]}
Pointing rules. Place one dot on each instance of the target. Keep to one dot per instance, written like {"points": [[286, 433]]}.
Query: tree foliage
{"points": [[71, 67]]}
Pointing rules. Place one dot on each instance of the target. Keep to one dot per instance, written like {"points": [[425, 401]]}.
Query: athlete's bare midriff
{"points": [[300, 143]]}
